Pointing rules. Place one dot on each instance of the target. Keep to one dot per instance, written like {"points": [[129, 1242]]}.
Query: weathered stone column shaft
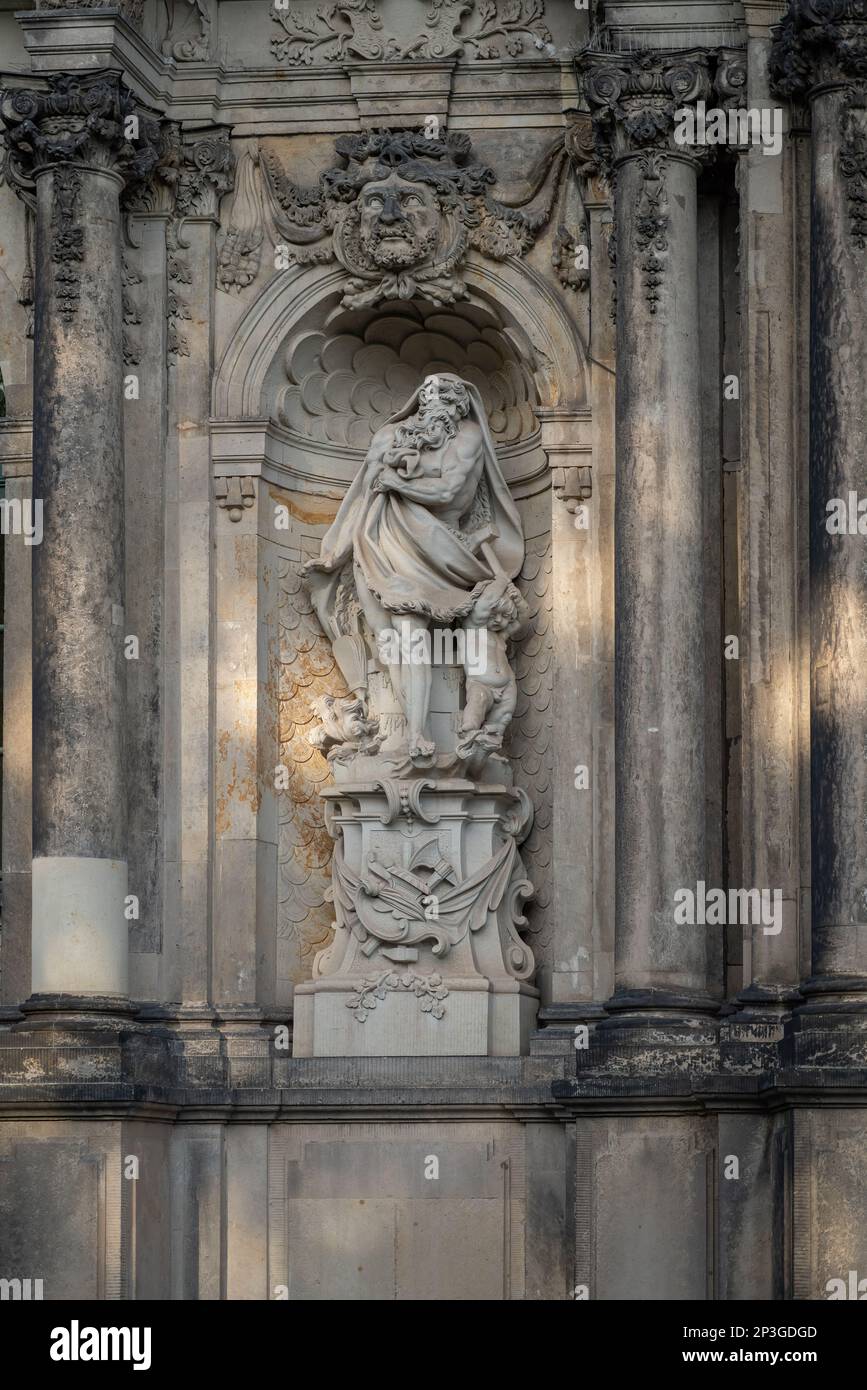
{"points": [[659, 704], [828, 65], [838, 562], [74, 139], [659, 557], [79, 793]]}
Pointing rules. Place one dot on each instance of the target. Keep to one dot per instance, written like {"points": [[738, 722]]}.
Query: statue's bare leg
{"points": [[416, 678], [378, 619], [398, 638], [478, 702]]}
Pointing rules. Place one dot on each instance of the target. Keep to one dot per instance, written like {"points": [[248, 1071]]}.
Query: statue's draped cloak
{"points": [[411, 560]]}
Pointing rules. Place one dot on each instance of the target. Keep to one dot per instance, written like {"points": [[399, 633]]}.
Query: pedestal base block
{"points": [[426, 959]]}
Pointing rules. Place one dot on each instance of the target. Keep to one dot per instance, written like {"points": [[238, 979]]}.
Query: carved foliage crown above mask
{"points": [[399, 214]]}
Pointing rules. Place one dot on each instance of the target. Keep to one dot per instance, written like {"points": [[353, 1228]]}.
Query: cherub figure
{"points": [[498, 614]]}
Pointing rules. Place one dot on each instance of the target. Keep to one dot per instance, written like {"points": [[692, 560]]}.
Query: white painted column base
{"points": [[80, 934]]}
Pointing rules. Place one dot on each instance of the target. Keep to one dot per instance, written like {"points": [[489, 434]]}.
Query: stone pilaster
{"points": [[820, 55], [659, 718], [193, 957], [771, 510], [77, 141]]}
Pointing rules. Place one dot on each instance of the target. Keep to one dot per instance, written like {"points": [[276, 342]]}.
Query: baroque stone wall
{"points": [[420, 963]]}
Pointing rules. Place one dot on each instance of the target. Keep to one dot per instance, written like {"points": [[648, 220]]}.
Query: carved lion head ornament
{"points": [[399, 214]]}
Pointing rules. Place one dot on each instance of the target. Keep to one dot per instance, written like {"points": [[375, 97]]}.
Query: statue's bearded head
{"points": [[441, 393], [399, 221], [442, 404]]}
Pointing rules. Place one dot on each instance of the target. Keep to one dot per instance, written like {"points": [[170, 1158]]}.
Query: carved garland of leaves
{"points": [[202, 173], [67, 240], [513, 21], [179, 273], [131, 9], [428, 989], [306, 34], [130, 278], [651, 226]]}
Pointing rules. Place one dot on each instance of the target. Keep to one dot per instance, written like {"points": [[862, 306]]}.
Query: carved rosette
{"points": [[634, 99], [820, 43]]}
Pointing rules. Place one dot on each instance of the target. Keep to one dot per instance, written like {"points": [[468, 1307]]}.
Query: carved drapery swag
{"points": [[399, 214]]}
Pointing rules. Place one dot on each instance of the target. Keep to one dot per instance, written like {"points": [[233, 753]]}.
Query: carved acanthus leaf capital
{"points": [[634, 97], [819, 43], [192, 172], [84, 119], [207, 173]]}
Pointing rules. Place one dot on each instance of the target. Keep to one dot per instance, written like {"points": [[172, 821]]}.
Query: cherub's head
{"points": [[500, 607]]}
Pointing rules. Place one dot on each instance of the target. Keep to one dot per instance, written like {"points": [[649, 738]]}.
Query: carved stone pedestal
{"points": [[426, 959]]}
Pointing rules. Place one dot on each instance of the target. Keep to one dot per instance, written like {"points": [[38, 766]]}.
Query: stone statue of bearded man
{"points": [[434, 537]]}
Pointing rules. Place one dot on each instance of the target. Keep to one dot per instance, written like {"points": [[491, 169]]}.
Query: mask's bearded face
{"points": [[399, 222]]}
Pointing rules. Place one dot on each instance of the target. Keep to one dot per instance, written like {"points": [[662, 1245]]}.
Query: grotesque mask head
{"points": [[399, 221]]}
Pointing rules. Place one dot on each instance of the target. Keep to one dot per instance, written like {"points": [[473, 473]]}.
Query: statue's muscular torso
{"points": [[444, 480]]}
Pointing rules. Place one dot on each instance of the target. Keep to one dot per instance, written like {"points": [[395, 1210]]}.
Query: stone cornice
{"points": [[89, 120], [634, 97], [819, 44]]}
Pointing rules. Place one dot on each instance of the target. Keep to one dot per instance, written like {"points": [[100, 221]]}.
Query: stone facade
{"points": [[434, 778]]}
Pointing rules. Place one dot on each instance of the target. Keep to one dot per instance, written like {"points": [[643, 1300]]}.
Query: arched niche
{"points": [[511, 334], [325, 377]]}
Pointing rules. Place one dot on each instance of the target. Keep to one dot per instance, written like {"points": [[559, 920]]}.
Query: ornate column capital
{"points": [[634, 98], [730, 79], [207, 172], [819, 44], [191, 173], [86, 119]]}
